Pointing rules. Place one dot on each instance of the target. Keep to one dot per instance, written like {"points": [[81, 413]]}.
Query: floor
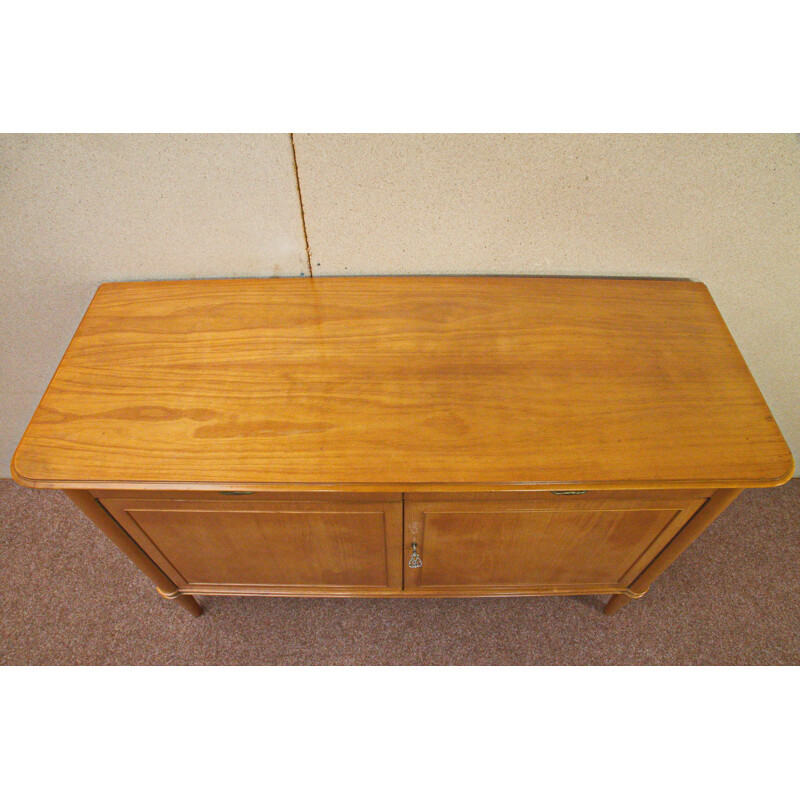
{"points": [[68, 596]]}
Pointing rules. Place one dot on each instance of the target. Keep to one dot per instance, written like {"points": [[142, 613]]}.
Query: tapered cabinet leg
{"points": [[713, 507], [97, 514], [190, 604], [185, 600], [616, 603]]}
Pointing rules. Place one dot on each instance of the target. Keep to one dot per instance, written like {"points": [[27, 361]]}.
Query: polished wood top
{"points": [[402, 383]]}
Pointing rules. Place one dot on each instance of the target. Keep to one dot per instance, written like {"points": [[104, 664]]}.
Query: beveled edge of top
{"points": [[403, 487]]}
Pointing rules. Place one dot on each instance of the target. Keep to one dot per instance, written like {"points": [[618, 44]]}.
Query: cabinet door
{"points": [[547, 544], [273, 547]]}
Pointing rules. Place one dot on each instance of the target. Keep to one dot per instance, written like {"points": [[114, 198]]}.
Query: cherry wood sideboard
{"points": [[402, 436]]}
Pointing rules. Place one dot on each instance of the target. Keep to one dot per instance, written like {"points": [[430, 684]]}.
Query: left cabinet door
{"points": [[265, 546]]}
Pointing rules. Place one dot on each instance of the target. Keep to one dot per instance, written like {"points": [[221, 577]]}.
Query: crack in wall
{"points": [[302, 209]]}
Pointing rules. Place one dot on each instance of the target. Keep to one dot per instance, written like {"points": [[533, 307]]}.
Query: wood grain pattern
{"points": [[402, 383], [538, 542], [240, 542]]}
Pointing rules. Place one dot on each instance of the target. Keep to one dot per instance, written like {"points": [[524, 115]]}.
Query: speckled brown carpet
{"points": [[68, 596]]}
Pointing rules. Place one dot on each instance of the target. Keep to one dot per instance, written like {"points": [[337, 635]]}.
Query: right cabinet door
{"points": [[541, 543]]}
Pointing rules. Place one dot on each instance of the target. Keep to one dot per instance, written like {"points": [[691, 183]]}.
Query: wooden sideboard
{"points": [[402, 436]]}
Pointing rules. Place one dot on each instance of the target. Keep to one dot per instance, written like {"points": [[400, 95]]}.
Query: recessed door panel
{"points": [[561, 543], [285, 544]]}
